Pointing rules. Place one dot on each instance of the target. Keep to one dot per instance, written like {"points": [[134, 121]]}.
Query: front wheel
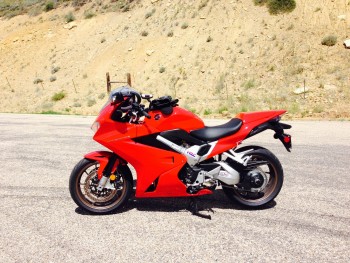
{"points": [[83, 184], [261, 180]]}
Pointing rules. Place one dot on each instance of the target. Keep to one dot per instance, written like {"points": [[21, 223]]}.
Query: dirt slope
{"points": [[225, 57]]}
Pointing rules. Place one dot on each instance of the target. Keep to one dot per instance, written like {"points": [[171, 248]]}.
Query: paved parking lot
{"points": [[309, 222]]}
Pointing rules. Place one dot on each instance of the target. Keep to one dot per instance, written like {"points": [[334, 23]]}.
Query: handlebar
{"points": [[127, 108], [137, 108], [144, 113]]}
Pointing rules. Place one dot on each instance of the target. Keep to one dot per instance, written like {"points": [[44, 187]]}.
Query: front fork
{"points": [[108, 164]]}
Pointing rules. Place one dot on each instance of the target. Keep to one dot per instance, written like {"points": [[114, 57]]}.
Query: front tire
{"points": [[272, 168], [83, 183]]}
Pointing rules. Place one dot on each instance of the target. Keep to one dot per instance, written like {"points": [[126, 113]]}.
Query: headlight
{"points": [[95, 126]]}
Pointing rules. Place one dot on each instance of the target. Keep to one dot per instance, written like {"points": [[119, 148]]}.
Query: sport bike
{"points": [[175, 155]]}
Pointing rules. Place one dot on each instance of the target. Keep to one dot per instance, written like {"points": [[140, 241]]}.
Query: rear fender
{"points": [[102, 157], [278, 128]]}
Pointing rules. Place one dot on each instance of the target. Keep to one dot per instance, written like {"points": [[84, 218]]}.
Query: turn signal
{"points": [[95, 126]]}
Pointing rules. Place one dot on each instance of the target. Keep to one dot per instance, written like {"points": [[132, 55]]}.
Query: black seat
{"points": [[216, 132]]}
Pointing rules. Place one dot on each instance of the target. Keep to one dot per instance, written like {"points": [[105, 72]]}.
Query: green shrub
{"points": [[89, 14], [249, 84], [37, 81], [77, 3], [243, 108], [150, 13], [58, 96], [125, 8], [281, 6], [329, 41], [171, 34], [161, 69], [53, 78], [318, 109], [50, 112], [277, 6], [144, 33], [69, 17], [184, 25], [49, 6], [207, 112], [222, 109], [203, 4], [193, 110]]}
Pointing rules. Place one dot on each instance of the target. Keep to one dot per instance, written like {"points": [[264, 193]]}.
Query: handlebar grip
{"points": [[146, 114]]}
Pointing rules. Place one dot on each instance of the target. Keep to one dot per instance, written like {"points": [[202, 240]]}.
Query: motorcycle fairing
{"points": [[157, 169], [153, 164]]}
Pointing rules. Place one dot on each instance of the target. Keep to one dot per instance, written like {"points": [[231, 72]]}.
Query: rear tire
{"points": [[82, 186], [272, 188]]}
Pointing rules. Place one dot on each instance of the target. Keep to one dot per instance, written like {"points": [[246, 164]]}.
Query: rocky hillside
{"points": [[218, 57]]}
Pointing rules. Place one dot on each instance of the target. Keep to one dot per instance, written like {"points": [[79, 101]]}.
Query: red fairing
{"points": [[149, 162], [112, 131], [154, 165], [179, 119], [102, 157], [259, 116]]}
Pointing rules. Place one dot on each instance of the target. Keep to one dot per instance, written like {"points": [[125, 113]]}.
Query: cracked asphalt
{"points": [[309, 221]]}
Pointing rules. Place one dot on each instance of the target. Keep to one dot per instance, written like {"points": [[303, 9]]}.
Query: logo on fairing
{"points": [[192, 154]]}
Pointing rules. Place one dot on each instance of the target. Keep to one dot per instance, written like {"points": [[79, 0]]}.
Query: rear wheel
{"points": [[261, 180], [83, 184]]}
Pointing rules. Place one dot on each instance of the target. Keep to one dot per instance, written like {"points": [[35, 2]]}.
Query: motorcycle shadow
{"points": [[217, 200]]}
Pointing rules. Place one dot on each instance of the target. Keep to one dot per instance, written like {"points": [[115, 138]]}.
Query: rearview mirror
{"points": [[117, 98], [146, 96]]}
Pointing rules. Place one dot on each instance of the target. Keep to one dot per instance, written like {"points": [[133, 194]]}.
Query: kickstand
{"points": [[193, 208]]}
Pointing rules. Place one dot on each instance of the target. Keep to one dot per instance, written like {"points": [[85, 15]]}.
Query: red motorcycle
{"points": [[175, 155]]}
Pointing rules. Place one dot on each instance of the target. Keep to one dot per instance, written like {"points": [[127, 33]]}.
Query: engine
{"points": [[206, 175], [196, 179]]}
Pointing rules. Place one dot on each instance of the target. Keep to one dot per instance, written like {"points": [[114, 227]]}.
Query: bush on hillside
{"points": [[281, 6], [69, 17], [329, 41], [58, 96], [277, 6], [49, 6]]}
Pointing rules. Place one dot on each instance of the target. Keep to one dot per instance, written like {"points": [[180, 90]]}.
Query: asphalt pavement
{"points": [[309, 221]]}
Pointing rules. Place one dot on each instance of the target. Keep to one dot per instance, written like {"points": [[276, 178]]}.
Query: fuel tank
{"points": [[112, 131], [179, 119]]}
